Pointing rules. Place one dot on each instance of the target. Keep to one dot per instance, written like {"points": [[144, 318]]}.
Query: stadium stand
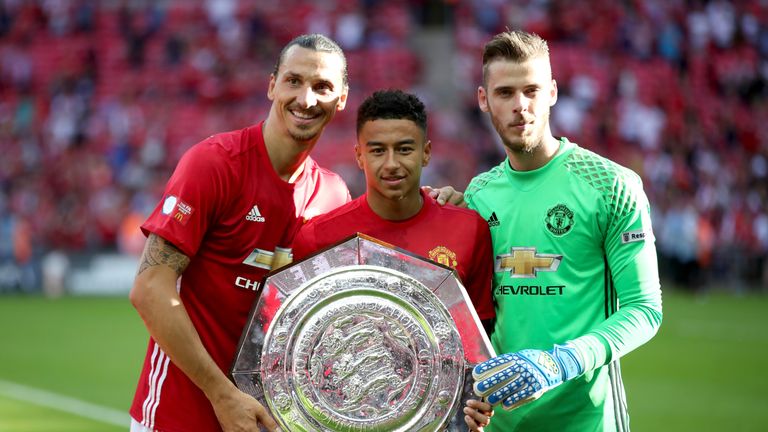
{"points": [[98, 99]]}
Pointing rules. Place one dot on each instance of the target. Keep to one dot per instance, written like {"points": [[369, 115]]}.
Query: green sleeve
{"points": [[631, 255]]}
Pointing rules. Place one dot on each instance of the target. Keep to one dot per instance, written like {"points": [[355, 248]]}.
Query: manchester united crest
{"points": [[443, 255], [559, 220]]}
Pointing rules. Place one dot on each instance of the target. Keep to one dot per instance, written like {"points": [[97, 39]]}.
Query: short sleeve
{"points": [[191, 198]]}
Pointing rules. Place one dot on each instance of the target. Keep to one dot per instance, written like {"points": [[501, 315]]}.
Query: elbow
{"points": [[136, 296], [139, 295]]}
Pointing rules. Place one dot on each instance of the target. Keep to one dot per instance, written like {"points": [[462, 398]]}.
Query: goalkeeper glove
{"points": [[519, 378]]}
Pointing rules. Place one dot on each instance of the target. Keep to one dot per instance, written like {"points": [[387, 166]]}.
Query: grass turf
{"points": [[704, 371]]}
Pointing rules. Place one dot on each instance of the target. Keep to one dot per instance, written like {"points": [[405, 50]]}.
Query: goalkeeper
{"points": [[576, 280]]}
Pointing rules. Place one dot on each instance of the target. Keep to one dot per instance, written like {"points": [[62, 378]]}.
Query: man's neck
{"points": [[286, 154], [395, 210], [540, 156]]}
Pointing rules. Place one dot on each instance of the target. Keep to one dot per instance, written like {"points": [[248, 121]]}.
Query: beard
{"points": [[304, 133], [307, 132], [526, 142]]}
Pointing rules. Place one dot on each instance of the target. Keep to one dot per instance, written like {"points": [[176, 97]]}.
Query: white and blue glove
{"points": [[515, 379]]}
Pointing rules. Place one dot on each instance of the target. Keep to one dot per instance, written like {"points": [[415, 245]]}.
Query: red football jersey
{"points": [[456, 237], [227, 209]]}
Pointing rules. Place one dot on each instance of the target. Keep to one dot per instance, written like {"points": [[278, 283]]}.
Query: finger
{"points": [[520, 398], [490, 367], [457, 199], [441, 198], [479, 418], [481, 406], [515, 387], [267, 420], [472, 425], [432, 192]]}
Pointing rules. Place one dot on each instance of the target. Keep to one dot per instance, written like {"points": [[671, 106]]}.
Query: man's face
{"points": [[307, 91], [392, 154], [518, 97]]}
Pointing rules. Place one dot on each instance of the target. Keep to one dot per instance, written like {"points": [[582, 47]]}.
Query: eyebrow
{"points": [[401, 142], [291, 74], [524, 87]]}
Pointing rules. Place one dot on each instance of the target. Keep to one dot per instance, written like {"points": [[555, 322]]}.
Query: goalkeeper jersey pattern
{"points": [[574, 259]]}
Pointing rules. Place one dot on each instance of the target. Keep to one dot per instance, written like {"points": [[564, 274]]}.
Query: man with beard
{"points": [[576, 281], [228, 216]]}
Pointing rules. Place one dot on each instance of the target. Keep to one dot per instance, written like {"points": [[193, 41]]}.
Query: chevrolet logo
{"points": [[524, 262]]}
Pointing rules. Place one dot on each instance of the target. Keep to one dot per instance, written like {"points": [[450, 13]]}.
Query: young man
{"points": [[575, 278], [392, 148], [227, 217]]}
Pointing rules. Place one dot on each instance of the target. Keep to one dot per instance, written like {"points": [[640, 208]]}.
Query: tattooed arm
{"points": [[155, 298]]}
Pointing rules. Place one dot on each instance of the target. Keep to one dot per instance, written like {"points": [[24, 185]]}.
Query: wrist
{"points": [[219, 390], [569, 359]]}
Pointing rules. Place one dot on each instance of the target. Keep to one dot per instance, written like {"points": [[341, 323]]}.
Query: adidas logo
{"points": [[493, 221], [255, 215]]}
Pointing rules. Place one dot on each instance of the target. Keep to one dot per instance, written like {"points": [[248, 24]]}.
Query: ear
{"points": [[359, 156], [553, 93], [427, 153], [482, 99], [342, 99], [271, 87]]}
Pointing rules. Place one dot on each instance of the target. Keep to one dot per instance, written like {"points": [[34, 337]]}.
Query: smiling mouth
{"points": [[392, 181], [304, 115]]}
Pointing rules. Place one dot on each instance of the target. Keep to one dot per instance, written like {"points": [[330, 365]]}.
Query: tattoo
{"points": [[158, 251]]}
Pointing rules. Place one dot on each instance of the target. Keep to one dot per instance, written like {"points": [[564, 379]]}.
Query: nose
{"points": [[391, 161], [307, 97], [519, 102]]}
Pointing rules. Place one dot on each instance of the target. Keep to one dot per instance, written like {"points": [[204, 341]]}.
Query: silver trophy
{"points": [[362, 337]]}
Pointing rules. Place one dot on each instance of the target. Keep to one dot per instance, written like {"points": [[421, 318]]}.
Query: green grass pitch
{"points": [[704, 371]]}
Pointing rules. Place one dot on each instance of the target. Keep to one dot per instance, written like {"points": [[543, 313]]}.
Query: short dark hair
{"points": [[315, 42], [392, 104], [513, 45]]}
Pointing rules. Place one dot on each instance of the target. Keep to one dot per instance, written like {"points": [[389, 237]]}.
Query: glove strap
{"points": [[569, 359]]}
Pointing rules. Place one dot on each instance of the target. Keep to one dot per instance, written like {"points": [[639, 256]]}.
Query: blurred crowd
{"points": [[98, 100]]}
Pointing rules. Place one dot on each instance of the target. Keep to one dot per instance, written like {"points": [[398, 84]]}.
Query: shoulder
{"points": [[235, 143], [221, 148], [457, 213], [598, 171], [464, 220], [482, 180], [344, 211], [324, 175], [620, 187]]}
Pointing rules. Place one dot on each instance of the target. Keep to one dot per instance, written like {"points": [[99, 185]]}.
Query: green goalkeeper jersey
{"points": [[574, 261]]}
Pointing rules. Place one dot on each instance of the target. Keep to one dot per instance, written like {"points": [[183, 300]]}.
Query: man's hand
{"points": [[238, 411], [446, 194], [477, 415], [519, 378]]}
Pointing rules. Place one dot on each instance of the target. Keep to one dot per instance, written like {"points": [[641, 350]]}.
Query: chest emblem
{"points": [[443, 255], [525, 262], [559, 220]]}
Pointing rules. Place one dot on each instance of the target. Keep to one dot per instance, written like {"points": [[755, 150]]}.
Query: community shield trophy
{"points": [[362, 337]]}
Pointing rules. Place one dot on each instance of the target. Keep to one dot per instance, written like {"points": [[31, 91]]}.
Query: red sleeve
{"points": [[305, 243], [192, 196], [480, 275]]}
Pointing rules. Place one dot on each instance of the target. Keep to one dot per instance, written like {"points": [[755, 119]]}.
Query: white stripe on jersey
{"points": [[158, 367], [160, 387], [151, 380]]}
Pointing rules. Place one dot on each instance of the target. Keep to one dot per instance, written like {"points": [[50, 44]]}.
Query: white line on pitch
{"points": [[64, 403]]}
